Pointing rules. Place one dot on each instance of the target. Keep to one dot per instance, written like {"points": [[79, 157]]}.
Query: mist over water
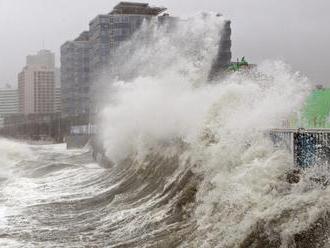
{"points": [[192, 163]]}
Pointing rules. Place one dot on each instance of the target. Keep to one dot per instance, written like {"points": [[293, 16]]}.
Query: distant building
{"points": [[85, 59], [36, 84], [43, 57], [8, 103], [36, 88]]}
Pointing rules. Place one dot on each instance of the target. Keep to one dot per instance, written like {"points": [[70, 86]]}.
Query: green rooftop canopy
{"points": [[316, 112]]}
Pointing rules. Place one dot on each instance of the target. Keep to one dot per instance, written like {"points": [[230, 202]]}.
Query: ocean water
{"points": [[192, 164]]}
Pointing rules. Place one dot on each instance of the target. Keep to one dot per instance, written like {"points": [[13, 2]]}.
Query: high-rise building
{"points": [[8, 103], [36, 87], [75, 76], [107, 32], [223, 58], [86, 59]]}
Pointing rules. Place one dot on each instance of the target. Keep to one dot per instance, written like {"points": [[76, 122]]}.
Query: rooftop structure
{"points": [[84, 36], [124, 8], [43, 57], [316, 112]]}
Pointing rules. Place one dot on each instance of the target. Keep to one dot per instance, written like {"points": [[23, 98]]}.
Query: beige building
{"points": [[36, 90]]}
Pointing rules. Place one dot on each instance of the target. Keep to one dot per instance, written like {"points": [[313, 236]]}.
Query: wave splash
{"points": [[239, 195]]}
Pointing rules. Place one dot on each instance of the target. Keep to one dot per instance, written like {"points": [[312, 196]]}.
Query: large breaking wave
{"points": [[215, 132]]}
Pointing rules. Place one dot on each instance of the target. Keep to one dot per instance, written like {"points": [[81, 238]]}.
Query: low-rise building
{"points": [[8, 103]]}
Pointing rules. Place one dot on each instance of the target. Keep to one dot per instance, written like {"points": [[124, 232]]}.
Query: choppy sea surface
{"points": [[51, 197]]}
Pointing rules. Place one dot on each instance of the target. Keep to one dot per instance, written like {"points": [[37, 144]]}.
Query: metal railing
{"points": [[308, 146], [83, 130]]}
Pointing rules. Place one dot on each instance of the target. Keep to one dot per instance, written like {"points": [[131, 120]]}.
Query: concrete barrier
{"points": [[76, 141]]}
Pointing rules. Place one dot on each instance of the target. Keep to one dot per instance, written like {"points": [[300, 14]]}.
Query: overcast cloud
{"points": [[296, 31]]}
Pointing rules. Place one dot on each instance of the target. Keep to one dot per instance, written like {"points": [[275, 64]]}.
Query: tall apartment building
{"points": [[75, 76], [223, 58], [79, 79], [36, 87], [8, 103], [107, 32]]}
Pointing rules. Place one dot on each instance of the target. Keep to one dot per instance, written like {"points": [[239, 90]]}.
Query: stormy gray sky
{"points": [[296, 31]]}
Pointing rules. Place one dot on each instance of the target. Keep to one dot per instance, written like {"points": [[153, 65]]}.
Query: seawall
{"points": [[76, 141]]}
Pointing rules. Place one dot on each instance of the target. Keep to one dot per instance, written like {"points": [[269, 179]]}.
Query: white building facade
{"points": [[8, 103]]}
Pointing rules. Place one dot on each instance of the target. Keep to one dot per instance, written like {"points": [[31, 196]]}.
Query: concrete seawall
{"points": [[77, 141], [80, 139]]}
